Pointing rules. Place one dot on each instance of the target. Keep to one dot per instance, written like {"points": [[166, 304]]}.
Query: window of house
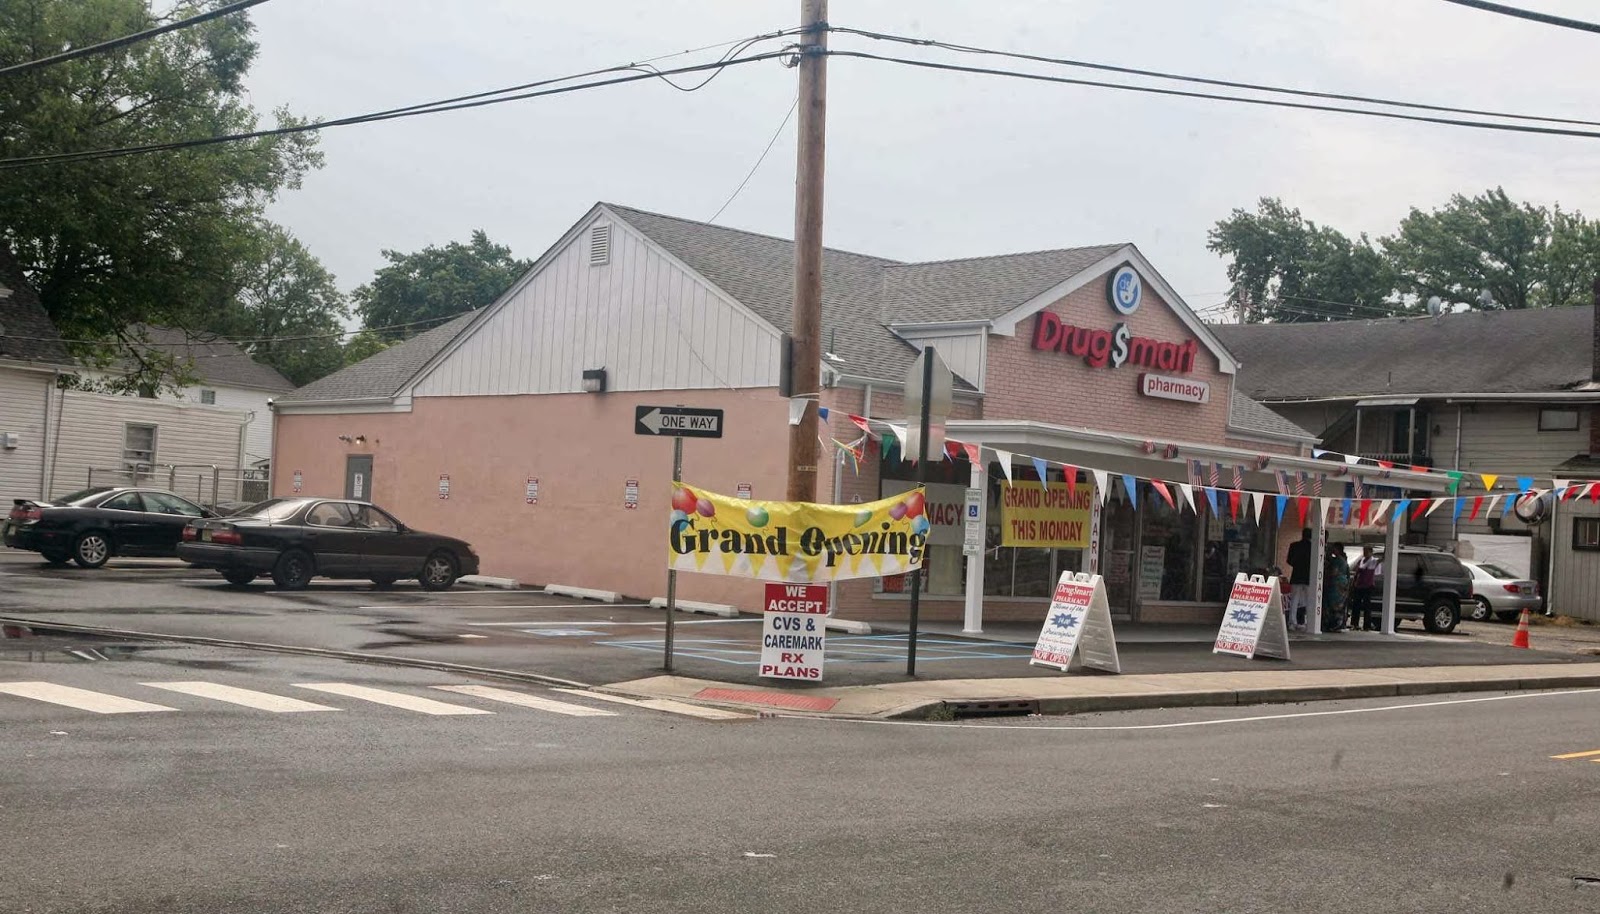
{"points": [[1558, 420], [1586, 534], [208, 397], [139, 444]]}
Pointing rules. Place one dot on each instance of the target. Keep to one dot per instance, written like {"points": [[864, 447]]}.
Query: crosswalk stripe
{"points": [[261, 701], [82, 699], [525, 700], [392, 699], [1577, 754], [665, 704]]}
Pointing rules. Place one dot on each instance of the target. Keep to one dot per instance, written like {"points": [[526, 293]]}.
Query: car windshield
{"points": [[274, 510], [81, 496], [1494, 571]]}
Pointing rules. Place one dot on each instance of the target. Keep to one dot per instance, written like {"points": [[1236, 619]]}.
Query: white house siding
{"points": [[22, 413], [258, 435], [963, 352], [1575, 588], [91, 435], [646, 320], [1503, 439]]}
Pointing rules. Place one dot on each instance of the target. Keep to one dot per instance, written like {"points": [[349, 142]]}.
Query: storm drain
{"points": [[995, 707]]}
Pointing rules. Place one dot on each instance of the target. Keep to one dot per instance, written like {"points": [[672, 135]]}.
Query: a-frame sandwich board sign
{"points": [[1077, 629], [1253, 623]]}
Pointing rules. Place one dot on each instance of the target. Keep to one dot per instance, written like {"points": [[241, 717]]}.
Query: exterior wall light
{"points": [[594, 380]]}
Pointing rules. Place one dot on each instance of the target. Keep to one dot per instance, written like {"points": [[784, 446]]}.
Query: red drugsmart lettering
{"points": [[1050, 334]]}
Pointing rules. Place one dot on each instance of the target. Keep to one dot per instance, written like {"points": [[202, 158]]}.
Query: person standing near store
{"points": [[1364, 583], [1335, 589], [1299, 560]]}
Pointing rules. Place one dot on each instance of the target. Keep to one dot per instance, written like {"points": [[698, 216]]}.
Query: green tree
{"points": [[153, 238], [1286, 268], [364, 345], [423, 288], [288, 311], [1488, 242]]}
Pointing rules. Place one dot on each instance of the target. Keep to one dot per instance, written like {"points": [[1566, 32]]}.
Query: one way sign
{"points": [[677, 422]]}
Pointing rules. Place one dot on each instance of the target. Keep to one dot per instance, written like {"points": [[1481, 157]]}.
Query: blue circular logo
{"points": [[1125, 290]]}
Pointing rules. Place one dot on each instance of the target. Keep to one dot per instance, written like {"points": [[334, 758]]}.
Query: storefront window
{"points": [[1166, 551], [1022, 571], [1233, 546], [944, 571]]}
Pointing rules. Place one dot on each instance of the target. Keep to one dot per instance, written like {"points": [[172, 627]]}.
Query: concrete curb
{"points": [[358, 656], [705, 609], [845, 625], [479, 580], [583, 593]]}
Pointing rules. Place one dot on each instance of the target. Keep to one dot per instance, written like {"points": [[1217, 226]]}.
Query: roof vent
{"points": [[599, 245]]}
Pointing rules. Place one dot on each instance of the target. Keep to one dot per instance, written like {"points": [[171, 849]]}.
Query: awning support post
{"points": [[972, 623], [1391, 566]]}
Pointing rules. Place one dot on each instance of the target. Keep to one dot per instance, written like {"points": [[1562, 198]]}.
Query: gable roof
{"points": [[1246, 415], [26, 332], [1536, 350], [217, 361], [979, 288], [382, 375]]}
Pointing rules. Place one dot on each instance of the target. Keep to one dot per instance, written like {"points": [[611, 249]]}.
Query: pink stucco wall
{"points": [[582, 449]]}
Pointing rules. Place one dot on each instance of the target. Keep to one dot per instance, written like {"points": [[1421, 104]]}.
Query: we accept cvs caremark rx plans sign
{"points": [[793, 631]]}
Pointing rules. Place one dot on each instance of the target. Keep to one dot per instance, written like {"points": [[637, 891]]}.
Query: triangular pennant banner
{"points": [[1455, 480], [1351, 459], [1437, 502], [1492, 502], [1283, 502], [1071, 474], [1004, 459], [974, 454], [1344, 513], [797, 409], [1304, 505], [1489, 479], [1187, 491], [861, 423], [1040, 468], [1233, 503], [1161, 489], [1477, 502], [1455, 516], [1101, 478], [1132, 485], [1260, 500], [1211, 499], [1421, 508], [822, 413], [1381, 512], [1366, 509], [1400, 508], [1524, 483]]}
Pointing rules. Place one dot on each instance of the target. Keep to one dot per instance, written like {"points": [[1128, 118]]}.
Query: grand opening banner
{"points": [[797, 542], [1053, 516]]}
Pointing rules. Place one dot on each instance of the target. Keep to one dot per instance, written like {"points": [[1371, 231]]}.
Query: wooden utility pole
{"points": [[807, 329]]}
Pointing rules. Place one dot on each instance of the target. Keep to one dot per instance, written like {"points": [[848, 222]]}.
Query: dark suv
{"points": [[1431, 586]]}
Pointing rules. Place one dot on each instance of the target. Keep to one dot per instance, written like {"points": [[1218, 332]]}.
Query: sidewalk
{"points": [[1076, 693]]}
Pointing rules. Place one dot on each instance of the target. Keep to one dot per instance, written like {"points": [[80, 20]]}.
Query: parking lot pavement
{"points": [[601, 643]]}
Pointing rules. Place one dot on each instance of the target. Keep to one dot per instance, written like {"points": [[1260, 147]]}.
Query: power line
{"points": [[246, 342], [759, 159], [1519, 13], [1179, 77], [459, 103], [126, 40], [1181, 93]]}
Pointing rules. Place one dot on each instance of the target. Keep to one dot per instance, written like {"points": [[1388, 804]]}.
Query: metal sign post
{"points": [[676, 422], [932, 402]]}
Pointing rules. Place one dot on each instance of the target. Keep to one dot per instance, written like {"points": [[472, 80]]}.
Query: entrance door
{"points": [[358, 477], [1119, 549]]}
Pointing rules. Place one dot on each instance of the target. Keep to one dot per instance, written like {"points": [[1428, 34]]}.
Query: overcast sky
{"points": [[922, 165]]}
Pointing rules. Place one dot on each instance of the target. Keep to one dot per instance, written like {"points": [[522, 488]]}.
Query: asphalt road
{"points": [[1449, 805], [599, 644]]}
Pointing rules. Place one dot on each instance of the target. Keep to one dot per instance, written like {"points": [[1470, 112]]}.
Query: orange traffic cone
{"points": [[1521, 638]]}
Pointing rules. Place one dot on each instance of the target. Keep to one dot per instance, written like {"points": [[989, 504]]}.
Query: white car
{"points": [[1498, 593]]}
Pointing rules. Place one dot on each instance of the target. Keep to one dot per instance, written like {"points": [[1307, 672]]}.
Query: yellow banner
{"points": [[1050, 517], [797, 542]]}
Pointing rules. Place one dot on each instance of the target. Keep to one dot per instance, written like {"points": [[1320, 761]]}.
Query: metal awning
{"points": [[1387, 401]]}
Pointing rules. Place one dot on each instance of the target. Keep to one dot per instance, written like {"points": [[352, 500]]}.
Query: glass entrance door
{"points": [[1119, 547]]}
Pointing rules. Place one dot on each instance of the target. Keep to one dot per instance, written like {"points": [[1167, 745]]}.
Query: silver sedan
{"points": [[1499, 593]]}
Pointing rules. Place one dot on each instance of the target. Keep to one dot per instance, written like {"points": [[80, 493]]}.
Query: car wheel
{"points": [[383, 583], [57, 558], [439, 571], [293, 570], [91, 549], [1481, 610], [1508, 616], [239, 578], [1441, 616]]}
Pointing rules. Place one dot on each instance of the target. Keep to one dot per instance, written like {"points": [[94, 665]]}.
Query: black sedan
{"points": [[91, 526], [296, 539]]}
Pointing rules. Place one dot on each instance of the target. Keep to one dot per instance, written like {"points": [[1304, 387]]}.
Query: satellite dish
{"points": [[1486, 299], [1435, 305], [1532, 509]]}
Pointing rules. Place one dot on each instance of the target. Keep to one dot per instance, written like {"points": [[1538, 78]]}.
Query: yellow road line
{"points": [[1578, 754]]}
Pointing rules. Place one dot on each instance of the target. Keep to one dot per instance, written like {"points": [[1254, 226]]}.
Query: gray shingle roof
{"points": [[1529, 351], [979, 287], [26, 333], [384, 374], [217, 361], [1247, 415]]}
